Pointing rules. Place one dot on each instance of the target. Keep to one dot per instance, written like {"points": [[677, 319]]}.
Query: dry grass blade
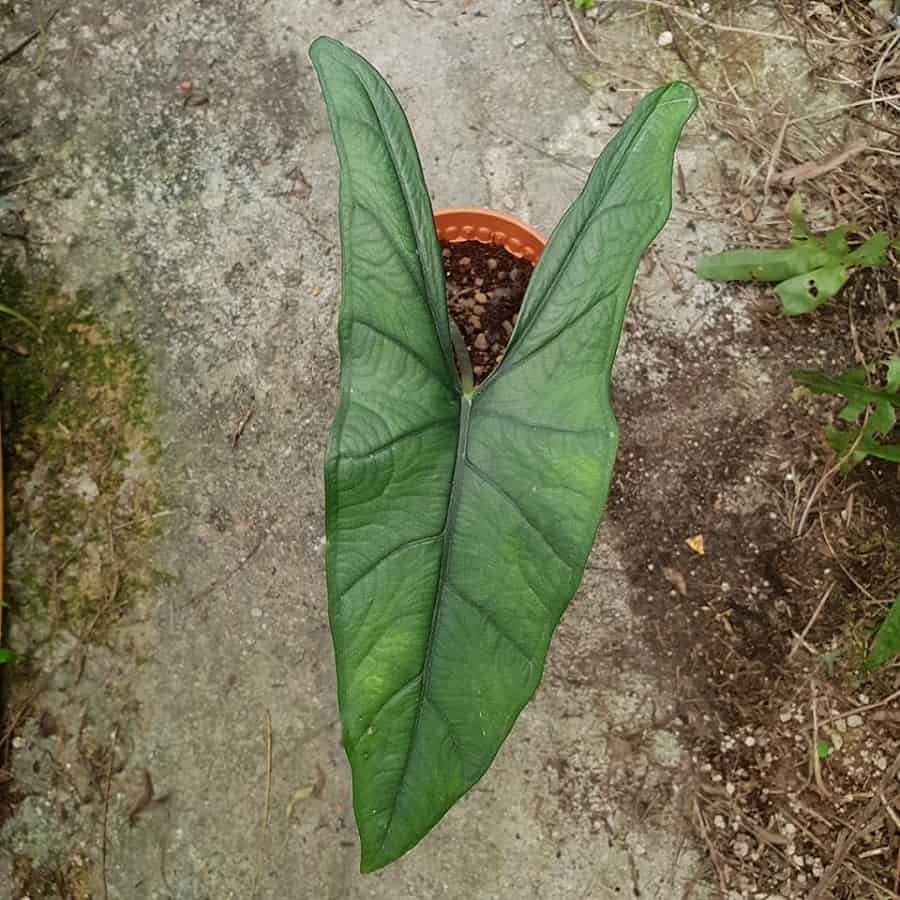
{"points": [[805, 171], [801, 638], [579, 33]]}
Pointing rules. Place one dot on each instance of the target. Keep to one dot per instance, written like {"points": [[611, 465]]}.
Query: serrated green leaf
{"points": [[799, 225], [886, 645], [872, 253], [803, 293], [881, 422], [7, 656], [763, 265], [835, 244], [458, 523], [850, 385], [842, 441], [823, 749], [893, 375]]}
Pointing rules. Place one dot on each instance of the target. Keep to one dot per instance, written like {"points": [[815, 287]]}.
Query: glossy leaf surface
{"points": [[459, 522]]}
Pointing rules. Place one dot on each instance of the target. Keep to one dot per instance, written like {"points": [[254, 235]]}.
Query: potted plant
{"points": [[460, 515]]}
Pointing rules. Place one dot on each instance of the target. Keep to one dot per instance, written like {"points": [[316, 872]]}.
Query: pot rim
{"points": [[472, 223]]}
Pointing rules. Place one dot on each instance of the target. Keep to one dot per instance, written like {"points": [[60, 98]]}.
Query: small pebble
{"points": [[465, 261], [855, 721], [478, 309], [478, 370], [474, 321], [515, 274], [492, 263], [665, 39], [518, 41], [479, 282], [481, 342], [480, 298], [507, 327], [446, 253]]}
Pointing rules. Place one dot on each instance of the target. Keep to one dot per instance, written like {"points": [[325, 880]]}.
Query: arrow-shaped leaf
{"points": [[458, 521]]}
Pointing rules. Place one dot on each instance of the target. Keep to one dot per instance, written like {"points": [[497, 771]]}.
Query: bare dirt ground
{"points": [[170, 728]]}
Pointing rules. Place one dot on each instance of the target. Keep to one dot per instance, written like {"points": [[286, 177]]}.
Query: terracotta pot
{"points": [[490, 227]]}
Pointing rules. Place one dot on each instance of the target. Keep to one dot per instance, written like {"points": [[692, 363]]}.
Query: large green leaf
{"points": [[458, 521]]}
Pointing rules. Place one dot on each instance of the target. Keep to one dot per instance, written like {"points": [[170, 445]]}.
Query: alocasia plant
{"points": [[459, 519]]}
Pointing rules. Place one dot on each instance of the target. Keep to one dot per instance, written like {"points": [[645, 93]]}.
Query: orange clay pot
{"points": [[490, 227]]}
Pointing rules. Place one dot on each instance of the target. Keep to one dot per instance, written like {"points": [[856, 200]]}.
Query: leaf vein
{"points": [[536, 426], [488, 616], [499, 489], [406, 435], [382, 559], [391, 697], [393, 339]]}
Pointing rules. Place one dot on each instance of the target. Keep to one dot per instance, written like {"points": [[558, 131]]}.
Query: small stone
{"points": [[515, 274], [465, 261], [665, 39], [502, 275], [480, 298], [741, 848], [479, 282], [446, 253], [478, 370], [507, 327], [478, 309], [495, 348], [855, 721], [492, 264], [474, 321], [518, 41], [481, 342]]}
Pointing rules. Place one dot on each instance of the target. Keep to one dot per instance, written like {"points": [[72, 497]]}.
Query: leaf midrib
{"points": [[465, 414]]}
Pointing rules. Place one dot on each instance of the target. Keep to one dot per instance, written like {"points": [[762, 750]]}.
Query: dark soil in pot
{"points": [[485, 288]]}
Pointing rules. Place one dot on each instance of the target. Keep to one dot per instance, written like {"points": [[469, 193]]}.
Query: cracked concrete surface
{"points": [[188, 179]]}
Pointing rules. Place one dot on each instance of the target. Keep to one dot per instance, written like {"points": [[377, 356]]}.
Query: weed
{"points": [[810, 271], [874, 405], [886, 645]]}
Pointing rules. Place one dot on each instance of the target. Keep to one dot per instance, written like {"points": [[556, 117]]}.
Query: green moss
{"points": [[81, 457]]}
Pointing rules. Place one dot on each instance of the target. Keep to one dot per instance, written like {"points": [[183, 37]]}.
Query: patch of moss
{"points": [[81, 456]]}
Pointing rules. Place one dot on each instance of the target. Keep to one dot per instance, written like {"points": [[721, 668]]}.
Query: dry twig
{"points": [[801, 638]]}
